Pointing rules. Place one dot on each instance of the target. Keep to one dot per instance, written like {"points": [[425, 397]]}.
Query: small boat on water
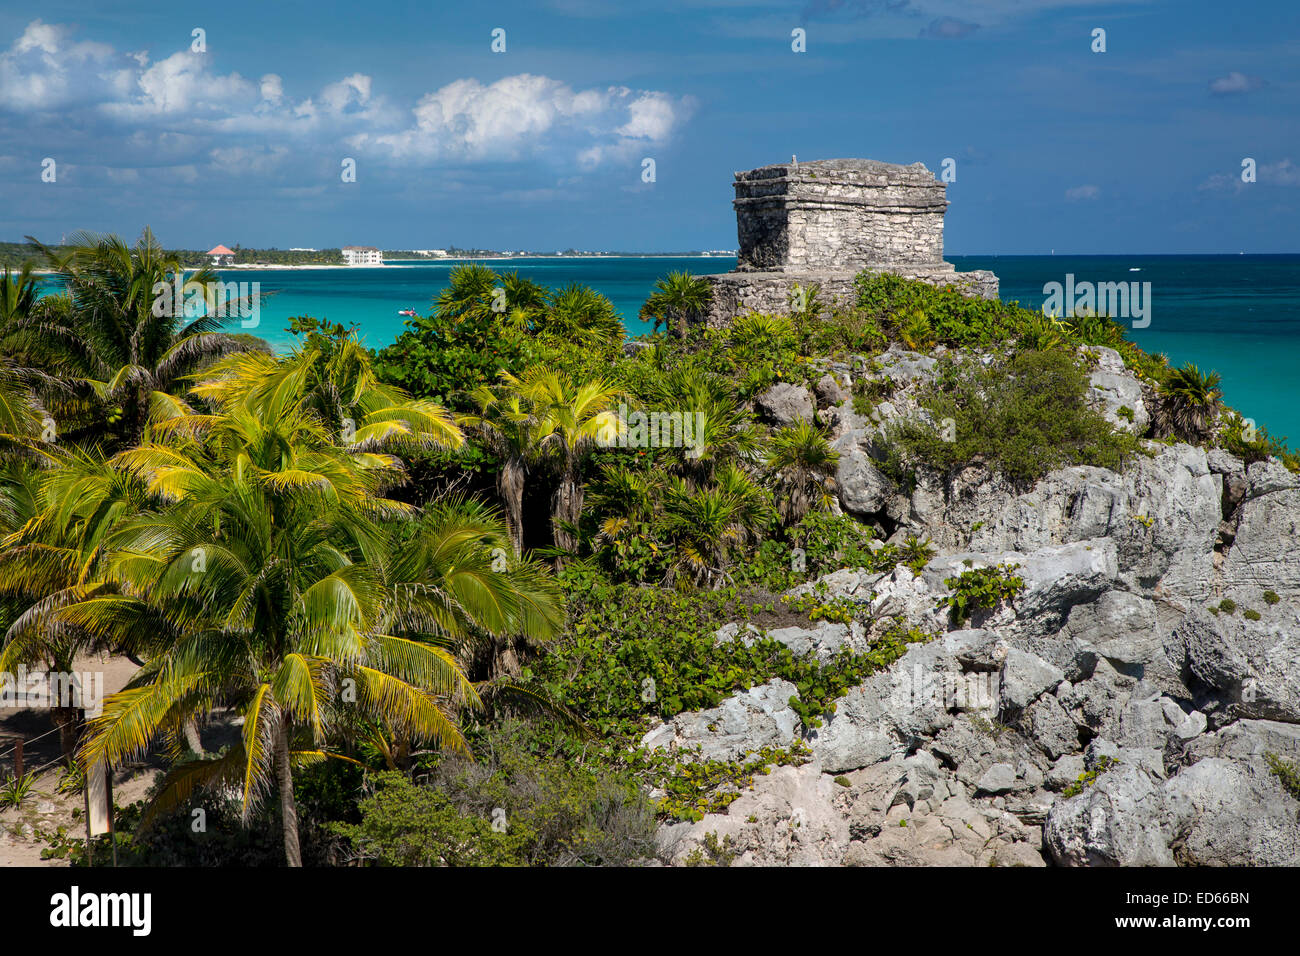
{"points": [[410, 313]]}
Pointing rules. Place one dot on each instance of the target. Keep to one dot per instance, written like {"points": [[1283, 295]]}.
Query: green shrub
{"points": [[1287, 771], [1023, 417], [711, 852], [1227, 605], [403, 824], [1271, 598], [511, 806], [1251, 614], [1237, 438]]}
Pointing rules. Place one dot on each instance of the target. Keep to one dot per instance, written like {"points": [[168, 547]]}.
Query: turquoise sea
{"points": [[1237, 315]]}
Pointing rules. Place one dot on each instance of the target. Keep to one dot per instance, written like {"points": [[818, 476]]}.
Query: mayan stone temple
{"points": [[822, 222]]}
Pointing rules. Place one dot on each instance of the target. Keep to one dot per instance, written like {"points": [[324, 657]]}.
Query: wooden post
{"points": [[18, 756], [90, 837], [112, 830]]}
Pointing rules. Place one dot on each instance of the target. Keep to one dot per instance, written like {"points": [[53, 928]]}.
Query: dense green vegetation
{"points": [[380, 597], [1022, 415]]}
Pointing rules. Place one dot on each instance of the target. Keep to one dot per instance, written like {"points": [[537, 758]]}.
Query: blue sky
{"points": [[1136, 150]]}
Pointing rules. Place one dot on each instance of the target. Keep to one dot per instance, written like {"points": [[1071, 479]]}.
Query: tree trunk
{"points": [[505, 659], [510, 485], [192, 739], [566, 507], [68, 720], [288, 809]]}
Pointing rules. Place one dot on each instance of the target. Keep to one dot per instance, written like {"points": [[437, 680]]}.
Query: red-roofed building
{"points": [[219, 252]]}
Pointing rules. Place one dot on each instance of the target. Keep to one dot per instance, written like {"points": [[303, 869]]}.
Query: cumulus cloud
{"points": [[1235, 84], [527, 115], [1083, 193], [45, 68], [182, 109]]}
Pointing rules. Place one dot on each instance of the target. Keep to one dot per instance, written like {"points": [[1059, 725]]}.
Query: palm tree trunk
{"points": [[510, 485], [505, 657], [566, 507], [288, 809], [192, 739]]}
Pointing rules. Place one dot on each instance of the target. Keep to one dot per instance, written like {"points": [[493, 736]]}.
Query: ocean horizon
{"points": [[1238, 315]]}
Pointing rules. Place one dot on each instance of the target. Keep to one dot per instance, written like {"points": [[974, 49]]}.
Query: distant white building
{"points": [[362, 256]]}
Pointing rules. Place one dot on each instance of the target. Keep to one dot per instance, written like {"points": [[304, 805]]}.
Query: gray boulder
{"points": [[829, 390], [1267, 534], [1119, 820], [745, 722], [1112, 388], [1226, 813], [1255, 664], [785, 404]]}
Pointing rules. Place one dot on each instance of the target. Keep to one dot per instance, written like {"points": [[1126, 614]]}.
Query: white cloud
{"points": [[1234, 84], [44, 69], [526, 115], [183, 107], [1082, 193]]}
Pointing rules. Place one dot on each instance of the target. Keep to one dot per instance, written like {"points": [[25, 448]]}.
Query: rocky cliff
{"points": [[1127, 706]]}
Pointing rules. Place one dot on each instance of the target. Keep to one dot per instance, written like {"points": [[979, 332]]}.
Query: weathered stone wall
{"points": [[838, 214], [737, 293]]}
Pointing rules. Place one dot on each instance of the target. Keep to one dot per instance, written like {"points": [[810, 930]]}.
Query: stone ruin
{"points": [[822, 222]]}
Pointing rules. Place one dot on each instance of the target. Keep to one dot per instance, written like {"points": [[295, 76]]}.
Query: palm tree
{"points": [[469, 292], [272, 581], [55, 523], [680, 299], [30, 337], [802, 460], [705, 527], [573, 417], [509, 428], [581, 315], [723, 431], [332, 375], [1190, 401], [125, 341]]}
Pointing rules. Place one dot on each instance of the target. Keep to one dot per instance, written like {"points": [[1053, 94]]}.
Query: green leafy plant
{"points": [[981, 589], [1286, 771], [1088, 778], [17, 789]]}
